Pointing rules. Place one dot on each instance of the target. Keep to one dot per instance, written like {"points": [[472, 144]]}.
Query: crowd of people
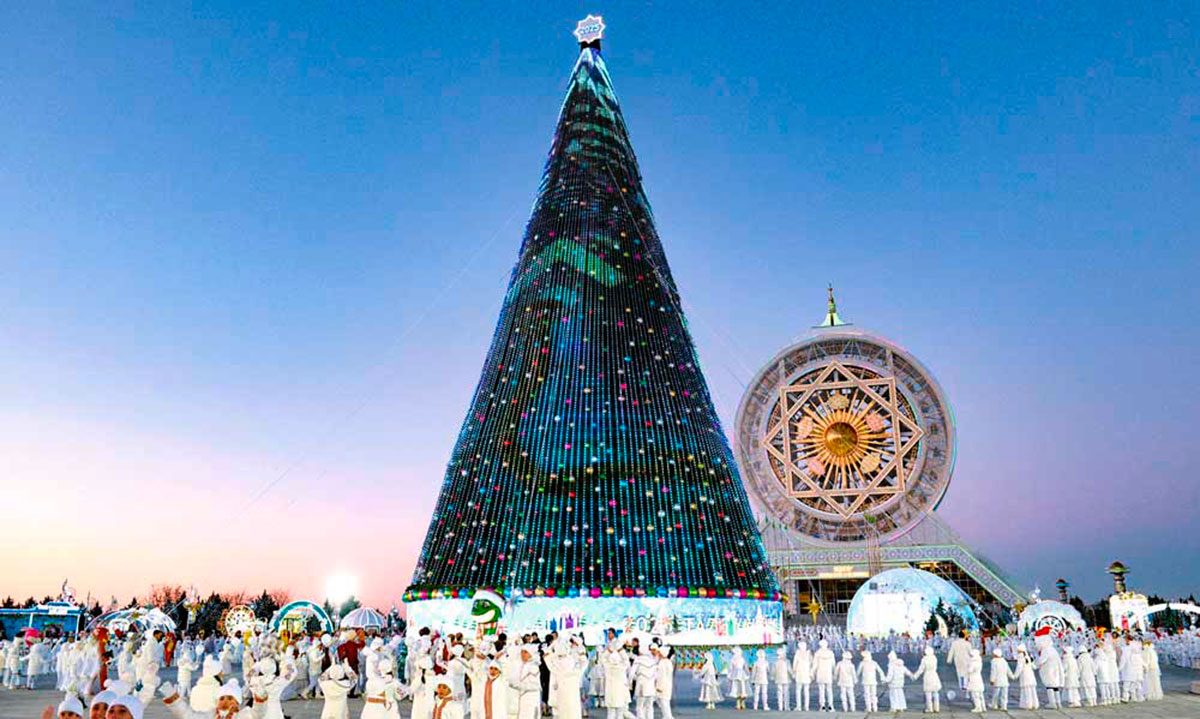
{"points": [[450, 676]]}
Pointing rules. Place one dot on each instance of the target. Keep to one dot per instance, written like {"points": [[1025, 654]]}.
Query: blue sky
{"points": [[253, 253]]}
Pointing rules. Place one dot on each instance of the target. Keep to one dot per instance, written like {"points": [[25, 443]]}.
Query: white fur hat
{"points": [[71, 704], [133, 704], [212, 667], [231, 688]]}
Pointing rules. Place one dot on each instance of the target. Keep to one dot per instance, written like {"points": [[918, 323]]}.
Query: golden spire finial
{"points": [[831, 314]]}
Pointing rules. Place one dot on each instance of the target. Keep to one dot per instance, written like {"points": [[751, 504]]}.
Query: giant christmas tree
{"points": [[592, 463]]}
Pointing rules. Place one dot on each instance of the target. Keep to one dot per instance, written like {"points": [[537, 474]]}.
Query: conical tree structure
{"points": [[592, 461]]}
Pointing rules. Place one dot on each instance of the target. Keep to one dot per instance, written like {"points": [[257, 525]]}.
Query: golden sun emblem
{"points": [[842, 439]]}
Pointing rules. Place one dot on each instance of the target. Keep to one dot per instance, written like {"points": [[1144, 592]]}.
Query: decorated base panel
{"points": [[681, 621]]}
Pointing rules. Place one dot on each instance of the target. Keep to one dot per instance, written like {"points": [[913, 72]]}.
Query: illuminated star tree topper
{"points": [[589, 30]]}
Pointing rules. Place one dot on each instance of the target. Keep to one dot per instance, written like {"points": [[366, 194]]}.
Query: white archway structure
{"points": [[1156, 608]]}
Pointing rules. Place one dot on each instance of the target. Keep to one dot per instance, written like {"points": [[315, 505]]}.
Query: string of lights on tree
{"points": [[592, 461]]}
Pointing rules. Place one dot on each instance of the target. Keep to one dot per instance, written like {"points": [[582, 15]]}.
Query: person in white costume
{"points": [[739, 678], [33, 663], [869, 675], [998, 677], [491, 696], [710, 683], [931, 685], [568, 665], [315, 654], [823, 663], [149, 682], [1153, 681], [596, 678], [616, 681], [12, 664], [664, 680], [1070, 665], [960, 657], [183, 678], [336, 683], [1114, 671], [643, 672], [203, 696], [528, 683], [229, 703], [802, 674], [1026, 678], [896, 674], [1087, 675], [1050, 670], [382, 693], [760, 675], [975, 682], [269, 683], [845, 676], [781, 674], [1132, 672], [445, 706]]}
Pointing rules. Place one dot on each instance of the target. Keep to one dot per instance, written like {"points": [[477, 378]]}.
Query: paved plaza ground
{"points": [[1178, 704]]}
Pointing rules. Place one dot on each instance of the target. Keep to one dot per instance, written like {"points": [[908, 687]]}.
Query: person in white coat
{"points": [[1114, 672], [738, 674], [1132, 672], [34, 664], [203, 696], [528, 685], [229, 703], [616, 681], [336, 682], [975, 682], [845, 676], [382, 693], [1026, 677], [445, 706], [595, 675], [823, 663], [781, 674], [1070, 665], [270, 685], [1087, 676], [12, 664], [1050, 670], [1153, 680], [491, 696], [315, 654], [998, 677], [760, 676], [644, 671], [664, 680], [568, 665], [959, 656], [931, 685], [869, 675], [802, 674], [185, 666], [710, 683], [896, 674]]}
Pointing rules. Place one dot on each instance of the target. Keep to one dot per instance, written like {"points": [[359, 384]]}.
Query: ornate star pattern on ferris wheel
{"points": [[842, 441]]}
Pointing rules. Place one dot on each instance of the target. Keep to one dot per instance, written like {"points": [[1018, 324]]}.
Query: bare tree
{"points": [[240, 596], [165, 596]]}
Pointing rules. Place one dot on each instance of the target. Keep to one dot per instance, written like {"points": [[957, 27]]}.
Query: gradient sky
{"points": [[252, 253]]}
